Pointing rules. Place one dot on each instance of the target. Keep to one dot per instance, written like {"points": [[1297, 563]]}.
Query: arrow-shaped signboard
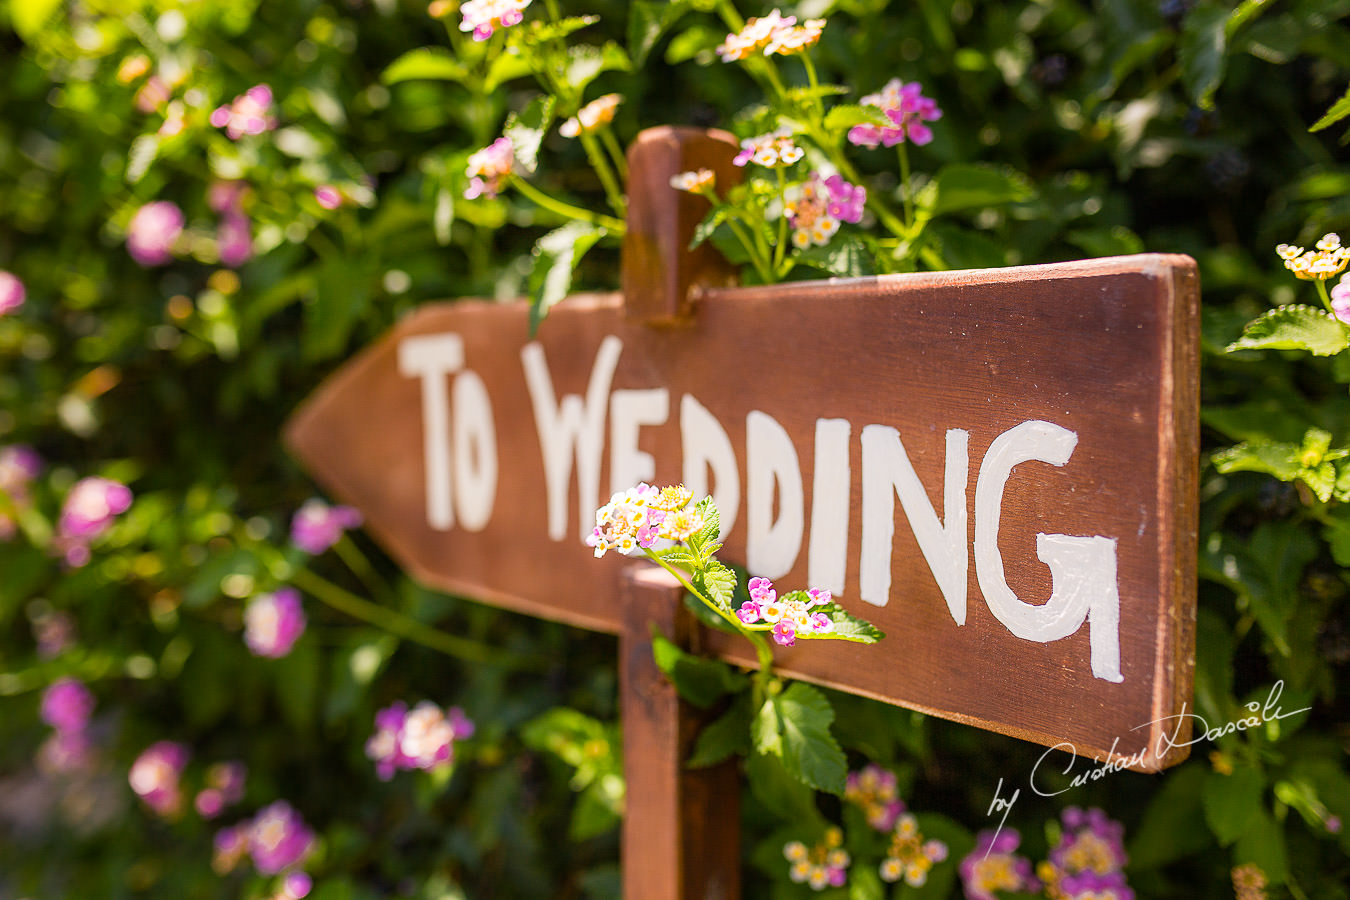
{"points": [[995, 467]]}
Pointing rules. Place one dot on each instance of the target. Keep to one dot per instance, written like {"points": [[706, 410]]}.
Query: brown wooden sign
{"points": [[995, 467]]}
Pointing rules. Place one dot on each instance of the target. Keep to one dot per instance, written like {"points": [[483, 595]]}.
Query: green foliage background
{"points": [[1109, 127]]}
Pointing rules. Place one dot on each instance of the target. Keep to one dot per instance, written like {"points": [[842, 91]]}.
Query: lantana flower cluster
{"points": [[12, 292], [820, 866], [156, 777], [906, 107], [1327, 260], [637, 518], [994, 865], [788, 617], [273, 622], [276, 839], [591, 117], [483, 17], [909, 855], [89, 509], [771, 34], [66, 706], [816, 207], [1087, 862], [316, 526], [250, 113], [876, 792], [489, 168], [771, 150], [20, 465], [421, 739]]}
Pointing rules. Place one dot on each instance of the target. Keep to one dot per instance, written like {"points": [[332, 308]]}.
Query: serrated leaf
{"points": [[727, 736], [846, 257], [425, 62], [677, 556], [540, 31], [847, 115], [1231, 802], [526, 131], [700, 681], [1294, 327], [704, 230], [809, 751], [968, 186], [1202, 51], [718, 582], [847, 627], [556, 257], [781, 794], [1336, 532], [712, 524], [1271, 457], [647, 21], [766, 729], [585, 62], [1339, 110]]}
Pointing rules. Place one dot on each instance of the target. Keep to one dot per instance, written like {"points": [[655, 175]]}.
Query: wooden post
{"points": [[659, 269], [681, 827]]}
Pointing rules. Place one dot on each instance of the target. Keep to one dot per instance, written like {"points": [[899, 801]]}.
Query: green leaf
{"points": [[795, 725], [425, 62], [1271, 457], [506, 67], [1294, 327], [1263, 844], [846, 115], [677, 556], [700, 681], [1201, 51], [647, 21], [718, 582], [865, 884], [968, 186], [585, 62], [1174, 824], [726, 736], [599, 808], [297, 683], [704, 230], [1336, 532], [30, 17], [1232, 802], [712, 525], [847, 257], [527, 128], [847, 627], [781, 794], [707, 617], [556, 256], [698, 43], [540, 31], [1339, 110]]}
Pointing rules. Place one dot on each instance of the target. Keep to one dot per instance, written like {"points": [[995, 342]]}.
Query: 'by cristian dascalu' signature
{"points": [[1257, 714]]}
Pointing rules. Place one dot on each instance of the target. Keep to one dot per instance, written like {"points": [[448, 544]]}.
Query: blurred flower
{"points": [[817, 206], [906, 107], [279, 839], [226, 196], [89, 509], [67, 705], [225, 787], [133, 67], [789, 41], [153, 94], [993, 866], [1340, 300], [295, 886], [155, 774], [1325, 262], [19, 465], [909, 855], [755, 35], [316, 526], [1249, 882], [54, 632], [65, 751], [234, 240], [769, 150], [1087, 861], [439, 9], [599, 111], [824, 865], [12, 292], [328, 196], [274, 622], [152, 232], [874, 790], [421, 739], [249, 113], [483, 17], [230, 845], [489, 167], [702, 181]]}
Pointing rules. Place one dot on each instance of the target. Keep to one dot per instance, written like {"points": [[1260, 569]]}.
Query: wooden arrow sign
{"points": [[995, 467]]}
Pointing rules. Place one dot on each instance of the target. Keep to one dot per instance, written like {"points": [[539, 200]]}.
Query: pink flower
{"points": [[296, 886], [153, 94], [19, 465], [155, 774], [761, 590], [749, 613], [152, 232], [230, 845], [226, 196], [421, 739], [12, 292], [225, 787], [64, 752], [875, 791], [67, 705], [906, 107], [317, 526], [382, 747], [488, 169], [770, 150], [234, 240], [816, 207], [328, 196], [91, 506], [250, 113], [819, 596], [1340, 300], [279, 838], [784, 633], [273, 623], [993, 866], [483, 17]]}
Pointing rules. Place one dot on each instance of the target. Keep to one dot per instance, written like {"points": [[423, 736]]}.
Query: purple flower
{"points": [[279, 839], [249, 113], [296, 886], [273, 622], [784, 633], [328, 196], [67, 705], [12, 292], [65, 751], [761, 590], [421, 739], [91, 506], [993, 866], [152, 232], [875, 790], [383, 744], [483, 17], [1340, 300], [749, 612], [489, 168], [317, 526], [907, 109], [230, 845], [234, 240], [226, 196], [155, 774], [1095, 886], [225, 787], [846, 200]]}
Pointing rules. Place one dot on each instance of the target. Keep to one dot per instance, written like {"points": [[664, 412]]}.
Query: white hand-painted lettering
{"points": [[827, 558], [771, 546], [706, 447]]}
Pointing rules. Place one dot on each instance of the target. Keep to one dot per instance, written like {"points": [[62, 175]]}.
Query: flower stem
{"points": [[905, 197], [351, 555], [780, 250], [404, 626], [602, 168], [615, 151], [615, 226], [1326, 298]]}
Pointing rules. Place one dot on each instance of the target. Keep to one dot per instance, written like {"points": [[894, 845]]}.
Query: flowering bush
{"points": [[204, 206]]}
